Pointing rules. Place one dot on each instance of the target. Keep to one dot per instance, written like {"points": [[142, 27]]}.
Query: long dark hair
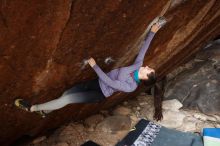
{"points": [[157, 93]]}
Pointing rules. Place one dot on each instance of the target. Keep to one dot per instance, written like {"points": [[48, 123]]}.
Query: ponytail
{"points": [[158, 96]]}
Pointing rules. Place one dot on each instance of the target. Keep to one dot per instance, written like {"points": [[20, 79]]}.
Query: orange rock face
{"points": [[43, 45]]}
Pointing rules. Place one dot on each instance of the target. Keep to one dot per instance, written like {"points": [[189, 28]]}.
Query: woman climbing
{"points": [[125, 79]]}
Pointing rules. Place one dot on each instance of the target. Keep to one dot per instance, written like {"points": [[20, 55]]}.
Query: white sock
{"points": [[33, 108]]}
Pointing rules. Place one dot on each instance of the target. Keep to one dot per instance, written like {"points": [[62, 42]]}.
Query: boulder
{"points": [[93, 120], [62, 144], [114, 124], [43, 46], [198, 87], [173, 104], [121, 110], [172, 119]]}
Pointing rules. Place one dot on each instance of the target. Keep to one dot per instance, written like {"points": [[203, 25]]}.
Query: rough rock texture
{"points": [[43, 44], [114, 123], [122, 111], [198, 86]]}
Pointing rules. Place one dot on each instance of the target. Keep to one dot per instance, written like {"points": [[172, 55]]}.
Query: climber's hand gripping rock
{"points": [[91, 62]]}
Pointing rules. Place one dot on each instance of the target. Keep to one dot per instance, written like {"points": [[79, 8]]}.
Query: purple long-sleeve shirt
{"points": [[120, 79]]}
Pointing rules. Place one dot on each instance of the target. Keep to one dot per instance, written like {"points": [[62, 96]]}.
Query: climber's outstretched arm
{"points": [[154, 28], [148, 39]]}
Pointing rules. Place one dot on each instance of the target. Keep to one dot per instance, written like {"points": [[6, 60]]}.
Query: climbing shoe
{"points": [[161, 21], [22, 104]]}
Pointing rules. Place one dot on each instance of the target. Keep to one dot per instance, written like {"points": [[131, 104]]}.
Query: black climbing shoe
{"points": [[22, 104]]}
